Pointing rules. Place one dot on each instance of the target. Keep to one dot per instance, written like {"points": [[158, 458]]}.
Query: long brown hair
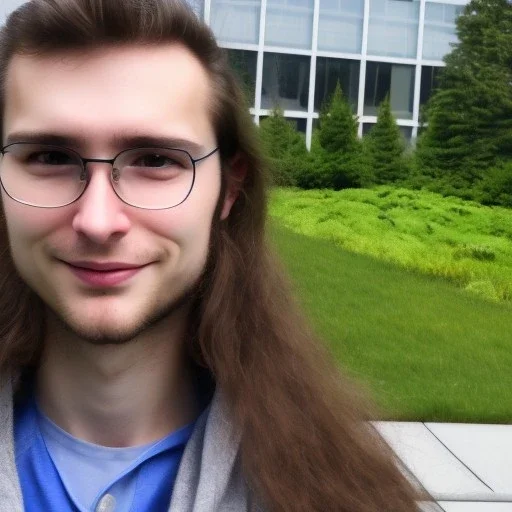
{"points": [[306, 445]]}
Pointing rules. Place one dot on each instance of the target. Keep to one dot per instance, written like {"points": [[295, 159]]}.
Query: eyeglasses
{"points": [[51, 176]]}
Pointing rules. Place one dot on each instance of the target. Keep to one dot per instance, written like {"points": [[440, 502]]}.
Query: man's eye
{"points": [[50, 158], [155, 161]]}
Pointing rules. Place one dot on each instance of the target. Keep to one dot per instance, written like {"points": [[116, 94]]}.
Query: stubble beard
{"points": [[176, 306]]}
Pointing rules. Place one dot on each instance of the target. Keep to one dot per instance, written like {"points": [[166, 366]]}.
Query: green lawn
{"points": [[464, 242], [427, 349]]}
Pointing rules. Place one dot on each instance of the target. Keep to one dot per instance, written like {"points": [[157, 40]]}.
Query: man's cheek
{"points": [[29, 223]]}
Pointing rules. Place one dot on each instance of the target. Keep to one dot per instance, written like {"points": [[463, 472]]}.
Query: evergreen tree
{"points": [[338, 161], [470, 116], [385, 148], [338, 127], [284, 147]]}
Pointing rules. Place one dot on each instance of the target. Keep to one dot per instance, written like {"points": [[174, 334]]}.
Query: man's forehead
{"points": [[175, 53], [130, 84]]}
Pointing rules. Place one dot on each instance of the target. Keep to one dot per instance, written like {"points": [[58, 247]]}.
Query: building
{"points": [[291, 53]]}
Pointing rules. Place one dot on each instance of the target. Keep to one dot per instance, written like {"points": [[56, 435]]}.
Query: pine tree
{"points": [[339, 159], [385, 147], [285, 148], [338, 127], [470, 116]]}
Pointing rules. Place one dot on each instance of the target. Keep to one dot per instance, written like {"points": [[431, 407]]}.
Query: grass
{"points": [[461, 241], [426, 349]]}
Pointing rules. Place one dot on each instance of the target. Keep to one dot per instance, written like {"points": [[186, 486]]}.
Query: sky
{"points": [[7, 6]]}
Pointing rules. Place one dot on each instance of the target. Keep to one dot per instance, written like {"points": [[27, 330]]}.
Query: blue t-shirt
{"points": [[61, 473]]}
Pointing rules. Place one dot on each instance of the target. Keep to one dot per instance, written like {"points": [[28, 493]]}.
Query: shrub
{"points": [[496, 187], [336, 156], [284, 147], [384, 147]]}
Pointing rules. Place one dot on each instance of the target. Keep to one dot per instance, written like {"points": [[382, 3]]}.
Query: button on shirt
{"points": [[59, 472]]}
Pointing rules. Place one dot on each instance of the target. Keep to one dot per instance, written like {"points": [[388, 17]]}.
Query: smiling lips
{"points": [[103, 275]]}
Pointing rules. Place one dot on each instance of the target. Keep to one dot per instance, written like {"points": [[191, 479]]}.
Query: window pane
{"points": [[289, 23], [243, 63], [440, 30], [393, 28], [340, 25], [406, 133], [298, 123], [397, 80], [367, 128], [236, 21], [429, 81], [285, 81], [329, 72]]}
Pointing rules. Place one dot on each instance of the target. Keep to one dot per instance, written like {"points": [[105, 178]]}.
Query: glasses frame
{"points": [[111, 161]]}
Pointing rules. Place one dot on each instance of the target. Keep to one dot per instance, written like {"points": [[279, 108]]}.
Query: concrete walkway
{"points": [[466, 468]]}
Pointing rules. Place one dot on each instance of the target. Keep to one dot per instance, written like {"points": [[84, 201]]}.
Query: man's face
{"points": [[97, 102]]}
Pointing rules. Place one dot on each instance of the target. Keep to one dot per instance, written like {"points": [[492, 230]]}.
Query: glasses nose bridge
{"points": [[86, 161]]}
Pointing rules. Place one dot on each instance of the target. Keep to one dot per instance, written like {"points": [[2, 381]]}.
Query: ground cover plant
{"points": [[427, 351], [464, 242]]}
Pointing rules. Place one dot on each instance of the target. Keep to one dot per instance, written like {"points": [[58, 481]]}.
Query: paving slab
{"points": [[474, 506], [436, 468], [485, 449]]}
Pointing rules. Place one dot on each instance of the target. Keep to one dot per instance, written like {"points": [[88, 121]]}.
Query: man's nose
{"points": [[100, 214]]}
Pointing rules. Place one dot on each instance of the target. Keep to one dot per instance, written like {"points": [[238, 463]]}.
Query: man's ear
{"points": [[235, 180]]}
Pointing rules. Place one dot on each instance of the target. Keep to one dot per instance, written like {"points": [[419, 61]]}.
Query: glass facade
{"points": [[340, 25], [429, 80], [393, 28], [373, 48], [235, 21], [285, 81], [393, 80], [289, 23], [331, 71], [439, 32]]}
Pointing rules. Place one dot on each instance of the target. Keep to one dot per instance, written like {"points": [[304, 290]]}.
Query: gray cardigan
{"points": [[209, 479]]}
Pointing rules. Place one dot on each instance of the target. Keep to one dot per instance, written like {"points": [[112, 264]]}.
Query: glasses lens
{"points": [[41, 175], [153, 178]]}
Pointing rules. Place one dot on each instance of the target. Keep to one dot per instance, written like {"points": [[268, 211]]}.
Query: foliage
{"points": [[338, 127], [470, 116], [461, 241], [384, 147], [337, 159], [284, 147], [496, 187]]}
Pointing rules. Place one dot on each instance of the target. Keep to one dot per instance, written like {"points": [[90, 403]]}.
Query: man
{"points": [[151, 358]]}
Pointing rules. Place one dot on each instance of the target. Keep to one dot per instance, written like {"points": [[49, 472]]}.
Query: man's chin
{"points": [[106, 336], [112, 329], [111, 332]]}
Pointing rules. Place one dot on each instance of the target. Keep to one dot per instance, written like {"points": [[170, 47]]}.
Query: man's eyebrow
{"points": [[134, 141], [41, 138], [120, 142]]}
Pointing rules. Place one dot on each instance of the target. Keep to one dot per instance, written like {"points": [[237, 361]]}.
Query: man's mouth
{"points": [[104, 274]]}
